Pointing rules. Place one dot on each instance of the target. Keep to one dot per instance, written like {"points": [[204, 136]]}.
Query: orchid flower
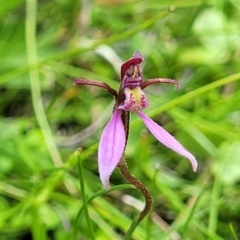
{"points": [[130, 98]]}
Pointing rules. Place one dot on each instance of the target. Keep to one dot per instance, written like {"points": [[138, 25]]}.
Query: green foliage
{"points": [[44, 45]]}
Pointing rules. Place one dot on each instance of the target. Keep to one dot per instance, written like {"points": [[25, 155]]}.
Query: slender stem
{"points": [[134, 181], [92, 197], [85, 207], [38, 229], [214, 210], [125, 119], [130, 231], [233, 231], [31, 44]]}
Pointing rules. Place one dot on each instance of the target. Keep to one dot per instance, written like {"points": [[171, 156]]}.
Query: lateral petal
{"points": [[111, 147], [167, 139]]}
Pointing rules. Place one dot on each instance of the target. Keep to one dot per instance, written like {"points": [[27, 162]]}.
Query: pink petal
{"points": [[168, 140], [111, 147]]}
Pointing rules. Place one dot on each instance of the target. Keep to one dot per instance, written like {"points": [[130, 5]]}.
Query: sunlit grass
{"points": [[45, 45]]}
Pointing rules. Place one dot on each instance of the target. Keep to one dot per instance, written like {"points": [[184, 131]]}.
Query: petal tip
{"points": [[104, 177], [75, 82], [193, 161], [106, 183], [137, 54], [194, 165]]}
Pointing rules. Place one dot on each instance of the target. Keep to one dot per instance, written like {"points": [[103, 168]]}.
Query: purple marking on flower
{"points": [[111, 147], [130, 98], [135, 99], [131, 74], [135, 59]]}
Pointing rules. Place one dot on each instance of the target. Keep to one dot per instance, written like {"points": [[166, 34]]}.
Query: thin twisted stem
{"points": [[134, 181]]}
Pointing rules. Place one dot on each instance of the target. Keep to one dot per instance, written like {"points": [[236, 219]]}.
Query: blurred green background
{"points": [[45, 45]]}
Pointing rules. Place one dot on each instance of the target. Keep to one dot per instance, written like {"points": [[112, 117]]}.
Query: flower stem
{"points": [[125, 119], [85, 207], [134, 181]]}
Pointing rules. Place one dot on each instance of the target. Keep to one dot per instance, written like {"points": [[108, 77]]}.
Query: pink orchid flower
{"points": [[130, 98]]}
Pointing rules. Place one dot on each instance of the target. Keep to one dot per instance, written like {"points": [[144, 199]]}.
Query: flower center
{"points": [[135, 99]]}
